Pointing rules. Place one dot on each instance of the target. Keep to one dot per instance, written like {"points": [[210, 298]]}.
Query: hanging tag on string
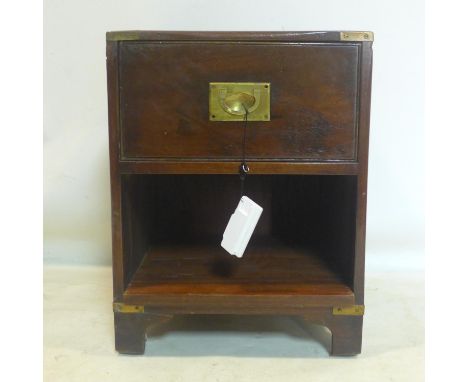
{"points": [[245, 218], [244, 167]]}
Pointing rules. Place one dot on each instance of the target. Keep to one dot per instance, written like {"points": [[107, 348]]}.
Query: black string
{"points": [[243, 168]]}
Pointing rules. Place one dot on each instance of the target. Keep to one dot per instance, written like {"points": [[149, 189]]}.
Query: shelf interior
{"points": [[303, 244], [267, 267]]}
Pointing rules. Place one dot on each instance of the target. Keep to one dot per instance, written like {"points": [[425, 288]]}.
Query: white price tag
{"points": [[241, 226]]}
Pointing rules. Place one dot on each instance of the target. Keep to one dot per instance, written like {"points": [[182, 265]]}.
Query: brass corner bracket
{"points": [[123, 36], [353, 310], [356, 36], [124, 308]]}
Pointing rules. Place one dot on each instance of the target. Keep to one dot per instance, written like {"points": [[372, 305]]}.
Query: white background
{"points": [[76, 170], [446, 181]]}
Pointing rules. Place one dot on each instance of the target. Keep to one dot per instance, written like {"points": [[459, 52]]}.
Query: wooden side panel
{"points": [[361, 202], [114, 147]]}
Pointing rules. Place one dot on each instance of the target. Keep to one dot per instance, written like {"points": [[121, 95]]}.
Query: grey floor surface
{"points": [[78, 338]]}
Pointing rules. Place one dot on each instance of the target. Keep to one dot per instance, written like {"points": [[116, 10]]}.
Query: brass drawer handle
{"points": [[229, 101]]}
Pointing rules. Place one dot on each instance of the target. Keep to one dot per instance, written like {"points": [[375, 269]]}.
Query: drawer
{"points": [[164, 93]]}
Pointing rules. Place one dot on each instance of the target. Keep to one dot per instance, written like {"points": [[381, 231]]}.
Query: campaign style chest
{"points": [[177, 135]]}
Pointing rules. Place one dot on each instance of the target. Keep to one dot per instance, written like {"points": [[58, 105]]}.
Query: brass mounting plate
{"points": [[353, 310], [356, 36], [124, 308], [220, 91], [123, 36]]}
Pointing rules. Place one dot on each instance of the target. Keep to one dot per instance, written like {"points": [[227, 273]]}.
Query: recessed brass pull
{"points": [[238, 103], [230, 100]]}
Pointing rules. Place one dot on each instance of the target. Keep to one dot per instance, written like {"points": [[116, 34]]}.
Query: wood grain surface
{"points": [[164, 90]]}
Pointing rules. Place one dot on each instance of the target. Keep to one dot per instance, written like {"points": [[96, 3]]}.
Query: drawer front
{"points": [[164, 93]]}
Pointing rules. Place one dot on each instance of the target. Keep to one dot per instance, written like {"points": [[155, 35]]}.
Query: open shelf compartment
{"points": [[303, 245]]}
